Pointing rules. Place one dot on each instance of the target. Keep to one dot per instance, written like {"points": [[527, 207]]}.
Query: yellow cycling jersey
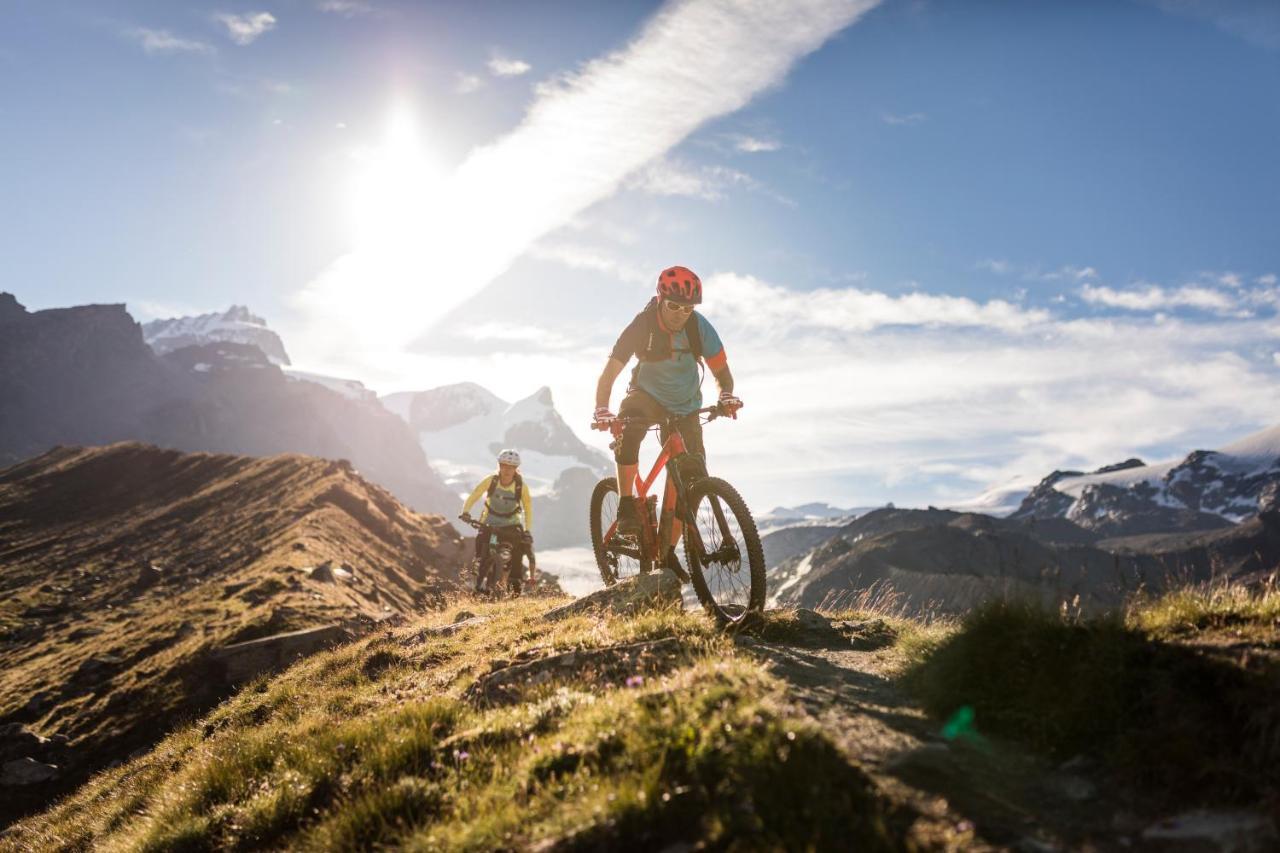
{"points": [[506, 510]]}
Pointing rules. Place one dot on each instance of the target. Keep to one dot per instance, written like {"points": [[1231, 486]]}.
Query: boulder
{"points": [[322, 573], [27, 771], [16, 741], [626, 597], [149, 575], [241, 662]]}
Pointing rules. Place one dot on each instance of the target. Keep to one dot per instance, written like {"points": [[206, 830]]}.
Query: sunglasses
{"points": [[678, 307]]}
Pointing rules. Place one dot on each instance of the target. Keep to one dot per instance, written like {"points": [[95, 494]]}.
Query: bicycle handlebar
{"points": [[616, 425], [482, 527]]}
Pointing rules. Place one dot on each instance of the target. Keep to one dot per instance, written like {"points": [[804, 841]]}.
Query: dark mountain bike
{"points": [[505, 561], [722, 547]]}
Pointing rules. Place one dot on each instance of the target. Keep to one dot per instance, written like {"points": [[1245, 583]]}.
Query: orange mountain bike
{"points": [[722, 547]]}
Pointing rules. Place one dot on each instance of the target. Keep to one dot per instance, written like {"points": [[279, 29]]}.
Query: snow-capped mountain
{"points": [[810, 512], [352, 389], [235, 325], [1206, 489], [464, 426]]}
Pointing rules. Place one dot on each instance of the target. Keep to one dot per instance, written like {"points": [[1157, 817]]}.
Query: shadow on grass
{"points": [[1171, 720]]}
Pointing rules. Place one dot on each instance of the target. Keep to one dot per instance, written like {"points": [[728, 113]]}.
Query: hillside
{"points": [[943, 561], [516, 726], [123, 567]]}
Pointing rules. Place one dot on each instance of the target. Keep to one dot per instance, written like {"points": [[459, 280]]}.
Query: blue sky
{"points": [[947, 243]]}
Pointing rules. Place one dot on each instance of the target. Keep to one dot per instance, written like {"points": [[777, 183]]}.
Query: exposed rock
{"points": [[245, 661], [448, 630], [1231, 831], [931, 766], [322, 573], [611, 665], [626, 597], [149, 575], [27, 771], [16, 740], [867, 634], [98, 666]]}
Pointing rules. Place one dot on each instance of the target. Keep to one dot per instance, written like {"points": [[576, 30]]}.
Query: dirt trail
{"points": [[971, 793]]}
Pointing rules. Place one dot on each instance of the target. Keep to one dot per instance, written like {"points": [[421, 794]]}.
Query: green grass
{"points": [[374, 745], [1170, 719], [1216, 607]]}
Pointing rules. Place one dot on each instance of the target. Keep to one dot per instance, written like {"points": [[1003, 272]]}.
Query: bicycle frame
{"points": [[653, 536]]}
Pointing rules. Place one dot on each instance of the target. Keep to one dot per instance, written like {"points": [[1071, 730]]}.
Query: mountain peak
{"points": [[241, 314], [235, 325], [10, 308]]}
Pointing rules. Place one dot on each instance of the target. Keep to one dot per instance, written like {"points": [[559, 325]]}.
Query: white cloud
{"points": [[1268, 280], [346, 8], [465, 84], [666, 177], [586, 258], [163, 41], [582, 137], [1255, 21], [245, 29], [774, 312], [1066, 272], [755, 145], [503, 67], [909, 118], [1153, 297]]}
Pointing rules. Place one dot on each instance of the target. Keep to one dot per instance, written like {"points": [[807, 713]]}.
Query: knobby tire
{"points": [[751, 554]]}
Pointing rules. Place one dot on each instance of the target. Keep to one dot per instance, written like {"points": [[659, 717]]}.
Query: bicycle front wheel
{"points": [[726, 559], [616, 558]]}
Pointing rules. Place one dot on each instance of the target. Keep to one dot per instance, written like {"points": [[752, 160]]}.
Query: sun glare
{"points": [[396, 188]]}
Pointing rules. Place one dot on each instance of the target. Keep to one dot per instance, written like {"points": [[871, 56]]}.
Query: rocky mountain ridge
{"points": [[125, 568], [86, 376], [941, 561], [1207, 489]]}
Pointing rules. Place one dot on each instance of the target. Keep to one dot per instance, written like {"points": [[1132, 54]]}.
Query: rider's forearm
{"points": [[604, 387], [475, 495], [724, 379]]}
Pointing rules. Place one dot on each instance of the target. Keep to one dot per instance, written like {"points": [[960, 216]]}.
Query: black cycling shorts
{"points": [[640, 405]]}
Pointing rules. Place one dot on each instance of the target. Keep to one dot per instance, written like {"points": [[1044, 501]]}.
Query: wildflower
{"points": [[635, 681]]}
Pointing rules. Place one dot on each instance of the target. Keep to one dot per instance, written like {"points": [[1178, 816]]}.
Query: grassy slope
{"points": [[1179, 695], [376, 743]]}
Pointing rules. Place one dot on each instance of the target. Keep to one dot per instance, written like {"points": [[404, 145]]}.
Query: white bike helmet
{"points": [[509, 457]]}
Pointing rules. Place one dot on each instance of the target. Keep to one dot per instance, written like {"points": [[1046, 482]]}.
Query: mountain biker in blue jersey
{"points": [[670, 341]]}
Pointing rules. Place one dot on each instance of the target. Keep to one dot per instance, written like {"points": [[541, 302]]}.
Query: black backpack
{"points": [[657, 343], [493, 486]]}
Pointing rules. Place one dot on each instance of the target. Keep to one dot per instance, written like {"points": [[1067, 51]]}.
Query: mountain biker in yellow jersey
{"points": [[507, 503], [670, 340]]}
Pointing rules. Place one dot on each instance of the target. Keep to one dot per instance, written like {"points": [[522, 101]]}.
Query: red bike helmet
{"points": [[680, 284]]}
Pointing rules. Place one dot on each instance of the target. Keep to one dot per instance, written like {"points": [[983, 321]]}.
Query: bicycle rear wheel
{"points": [[726, 559], [617, 559]]}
